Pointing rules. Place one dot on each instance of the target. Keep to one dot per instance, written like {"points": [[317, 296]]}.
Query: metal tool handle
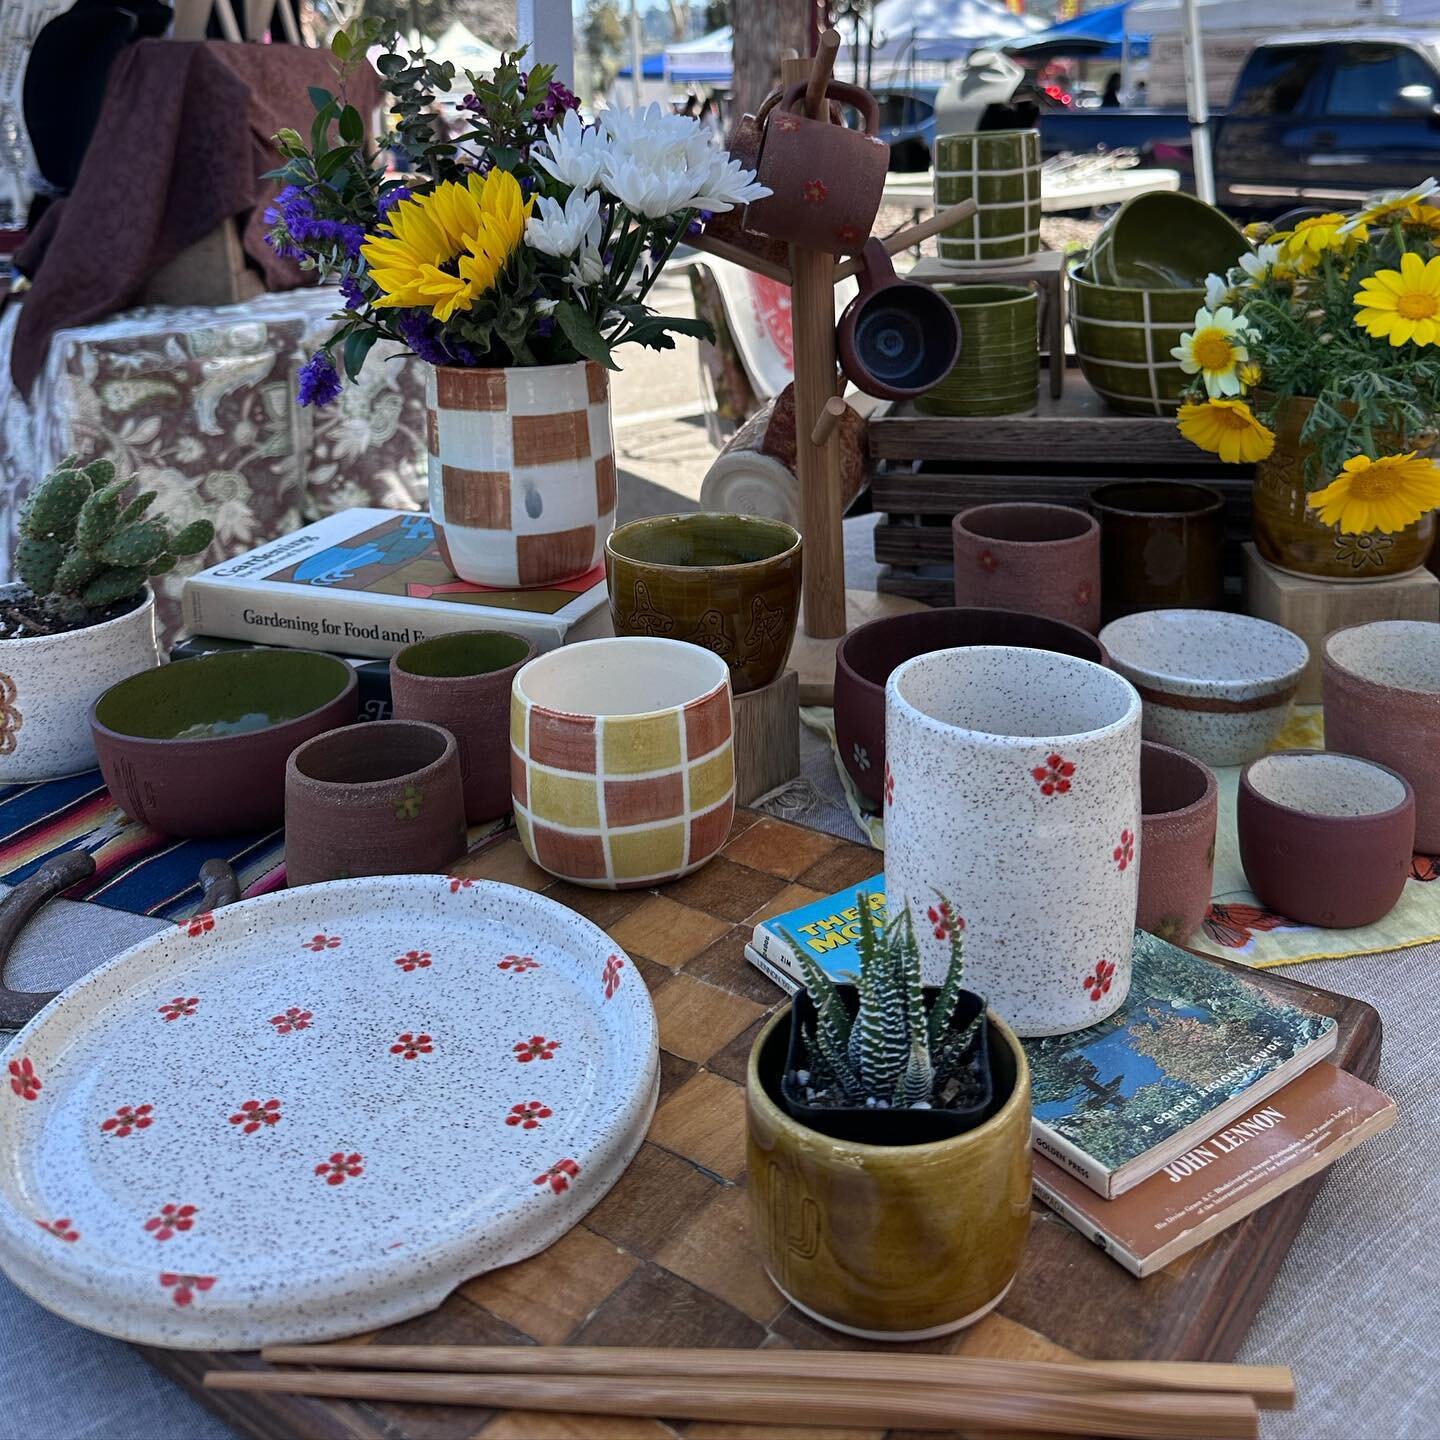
{"points": [[59, 873]]}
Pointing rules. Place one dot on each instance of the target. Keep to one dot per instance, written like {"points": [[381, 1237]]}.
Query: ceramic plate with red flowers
{"points": [[318, 1111]]}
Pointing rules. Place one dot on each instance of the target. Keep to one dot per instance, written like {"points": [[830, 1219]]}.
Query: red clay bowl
{"points": [[867, 655], [1179, 808], [1325, 839]]}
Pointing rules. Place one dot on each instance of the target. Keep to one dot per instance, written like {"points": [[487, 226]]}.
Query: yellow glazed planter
{"points": [[887, 1242]]}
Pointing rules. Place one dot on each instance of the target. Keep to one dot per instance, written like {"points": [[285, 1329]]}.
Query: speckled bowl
{"points": [[1215, 685], [1382, 701], [1179, 809], [1325, 839]]}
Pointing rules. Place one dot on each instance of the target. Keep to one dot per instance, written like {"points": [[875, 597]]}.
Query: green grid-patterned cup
{"points": [[1000, 171], [999, 366]]}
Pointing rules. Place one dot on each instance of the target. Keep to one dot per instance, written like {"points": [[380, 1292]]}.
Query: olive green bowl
{"points": [[1165, 240]]}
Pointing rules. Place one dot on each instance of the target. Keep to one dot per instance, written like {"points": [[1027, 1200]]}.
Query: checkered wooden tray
{"points": [[665, 1258]]}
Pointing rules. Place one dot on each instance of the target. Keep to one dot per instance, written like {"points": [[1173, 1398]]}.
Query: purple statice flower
{"points": [[557, 100], [472, 104], [350, 289], [319, 384], [390, 199], [422, 335], [544, 327]]}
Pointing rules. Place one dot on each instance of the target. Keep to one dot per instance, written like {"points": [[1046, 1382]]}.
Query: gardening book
{"points": [[829, 929], [1194, 1047], [1318, 1117], [368, 583]]}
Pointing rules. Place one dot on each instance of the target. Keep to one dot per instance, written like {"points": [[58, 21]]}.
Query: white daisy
{"points": [[1263, 264], [1391, 205], [1215, 350]]}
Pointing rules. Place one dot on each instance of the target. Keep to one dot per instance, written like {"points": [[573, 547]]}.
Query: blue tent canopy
{"points": [[652, 67], [1097, 35]]}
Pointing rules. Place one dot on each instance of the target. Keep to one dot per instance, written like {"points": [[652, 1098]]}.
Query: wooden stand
{"points": [[813, 657], [767, 738], [1313, 608]]}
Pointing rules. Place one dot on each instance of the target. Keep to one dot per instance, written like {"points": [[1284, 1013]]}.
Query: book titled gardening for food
{"points": [[1194, 1047]]}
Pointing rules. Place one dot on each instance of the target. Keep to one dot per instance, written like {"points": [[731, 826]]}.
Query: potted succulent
{"points": [[1318, 359], [83, 616], [888, 1143], [514, 259]]}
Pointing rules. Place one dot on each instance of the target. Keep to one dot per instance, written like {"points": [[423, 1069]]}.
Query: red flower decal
{"points": [[413, 960], [1053, 777], [537, 1047], [559, 1176], [889, 785], [179, 1007], [185, 1286], [410, 1045], [529, 1115], [23, 1079], [610, 977], [813, 192], [518, 964], [945, 920], [458, 883], [128, 1118], [253, 1114], [1235, 926], [988, 561], [200, 924], [170, 1221], [1084, 593], [317, 943], [293, 1019], [1098, 981], [786, 123], [340, 1167], [848, 234], [60, 1229], [1124, 852]]}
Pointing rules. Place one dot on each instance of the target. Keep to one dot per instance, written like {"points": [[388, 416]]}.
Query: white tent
{"points": [[464, 50]]}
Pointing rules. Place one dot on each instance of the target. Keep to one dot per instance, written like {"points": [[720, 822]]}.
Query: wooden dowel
{"points": [[830, 417], [1272, 1387], [1123, 1414], [914, 234], [723, 250], [820, 72]]}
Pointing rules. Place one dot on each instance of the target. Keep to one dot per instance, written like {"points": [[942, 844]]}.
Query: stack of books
{"points": [[1201, 1099]]}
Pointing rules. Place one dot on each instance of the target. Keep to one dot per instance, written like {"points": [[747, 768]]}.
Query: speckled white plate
{"points": [[318, 1111]]}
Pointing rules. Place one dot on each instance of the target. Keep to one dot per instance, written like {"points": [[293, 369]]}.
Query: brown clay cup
{"points": [[1179, 808], [1325, 839], [867, 655], [1381, 689], [1161, 546], [1043, 559], [462, 682], [384, 798], [826, 180]]}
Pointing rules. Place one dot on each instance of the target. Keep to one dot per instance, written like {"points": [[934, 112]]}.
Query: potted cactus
{"points": [[888, 1143], [82, 616]]}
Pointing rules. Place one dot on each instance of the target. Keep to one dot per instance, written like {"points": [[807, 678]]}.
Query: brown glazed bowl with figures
{"points": [[729, 583]]}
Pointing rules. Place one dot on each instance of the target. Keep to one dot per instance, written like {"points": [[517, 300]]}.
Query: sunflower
{"points": [[1385, 494], [1316, 234], [1215, 350], [446, 248], [1227, 428], [1403, 304], [1393, 205]]}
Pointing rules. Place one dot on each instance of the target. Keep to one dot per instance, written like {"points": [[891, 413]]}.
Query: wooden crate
{"points": [[665, 1258]]}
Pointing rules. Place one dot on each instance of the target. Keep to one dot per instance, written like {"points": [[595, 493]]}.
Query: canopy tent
{"points": [[652, 67], [465, 50], [1096, 35], [702, 61]]}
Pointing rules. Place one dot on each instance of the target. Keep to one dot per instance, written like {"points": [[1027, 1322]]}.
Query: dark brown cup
{"points": [[1040, 559], [1161, 546], [1179, 807], [462, 682], [867, 655], [1325, 839], [378, 799]]}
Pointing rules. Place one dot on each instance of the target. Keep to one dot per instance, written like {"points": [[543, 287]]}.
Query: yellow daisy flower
{"points": [[1215, 349], [1227, 428], [1387, 494], [1422, 217], [1251, 374], [1402, 304], [1390, 206], [1316, 234]]}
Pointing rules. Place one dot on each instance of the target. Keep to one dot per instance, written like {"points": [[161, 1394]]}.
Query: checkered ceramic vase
{"points": [[522, 471]]}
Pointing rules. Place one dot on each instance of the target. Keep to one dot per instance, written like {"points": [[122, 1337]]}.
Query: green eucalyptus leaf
{"points": [[352, 127], [357, 347], [320, 97]]}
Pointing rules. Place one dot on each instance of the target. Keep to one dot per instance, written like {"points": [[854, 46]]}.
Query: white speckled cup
{"points": [[1012, 789]]}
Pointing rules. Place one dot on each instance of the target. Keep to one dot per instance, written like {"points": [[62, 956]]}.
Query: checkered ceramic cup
{"points": [[622, 766], [1000, 171]]}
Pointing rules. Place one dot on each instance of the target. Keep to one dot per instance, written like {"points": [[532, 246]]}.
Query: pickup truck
{"points": [[1316, 118]]}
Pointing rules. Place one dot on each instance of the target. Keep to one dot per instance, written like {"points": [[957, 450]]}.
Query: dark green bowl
{"points": [[1165, 240]]}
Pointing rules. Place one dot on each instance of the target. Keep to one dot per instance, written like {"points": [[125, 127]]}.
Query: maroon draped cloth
{"points": [[181, 145]]}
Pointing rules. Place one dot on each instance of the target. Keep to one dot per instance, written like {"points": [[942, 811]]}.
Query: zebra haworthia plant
{"points": [[893, 1052]]}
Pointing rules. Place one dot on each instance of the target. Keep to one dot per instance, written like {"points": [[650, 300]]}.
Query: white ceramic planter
{"points": [[1012, 788], [49, 682], [522, 471]]}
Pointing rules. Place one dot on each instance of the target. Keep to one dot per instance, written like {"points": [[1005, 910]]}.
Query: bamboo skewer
{"points": [[892, 1403], [723, 250], [1272, 1387], [914, 234]]}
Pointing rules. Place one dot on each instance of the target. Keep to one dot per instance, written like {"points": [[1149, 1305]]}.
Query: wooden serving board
{"points": [[664, 1259]]}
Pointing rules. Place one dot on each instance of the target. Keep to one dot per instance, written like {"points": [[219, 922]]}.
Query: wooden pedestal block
{"points": [[767, 738], [1313, 608]]}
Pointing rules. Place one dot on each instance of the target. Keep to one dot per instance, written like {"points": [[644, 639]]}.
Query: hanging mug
{"points": [[826, 180], [897, 337]]}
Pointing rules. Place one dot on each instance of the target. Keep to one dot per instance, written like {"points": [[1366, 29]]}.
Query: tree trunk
{"points": [[764, 30]]}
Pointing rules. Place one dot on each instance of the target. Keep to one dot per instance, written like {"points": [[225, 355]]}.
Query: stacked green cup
{"points": [[1000, 171], [999, 366]]}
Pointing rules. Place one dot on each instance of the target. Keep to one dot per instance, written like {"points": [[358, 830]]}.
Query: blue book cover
{"points": [[829, 929]]}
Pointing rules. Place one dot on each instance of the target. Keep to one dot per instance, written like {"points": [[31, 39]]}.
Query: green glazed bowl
{"points": [[1165, 240], [999, 365], [1000, 171]]}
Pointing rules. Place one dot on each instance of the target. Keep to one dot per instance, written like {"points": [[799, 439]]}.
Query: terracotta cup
{"points": [[867, 655], [384, 798], [462, 682], [1179, 808], [1043, 559], [622, 766], [1161, 546], [728, 582], [826, 180], [1381, 689], [1325, 839], [897, 337]]}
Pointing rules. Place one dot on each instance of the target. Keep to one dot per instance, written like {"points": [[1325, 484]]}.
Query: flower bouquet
{"points": [[513, 258], [1318, 357]]}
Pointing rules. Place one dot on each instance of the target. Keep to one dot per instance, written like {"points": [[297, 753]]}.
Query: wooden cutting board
{"points": [[665, 1259]]}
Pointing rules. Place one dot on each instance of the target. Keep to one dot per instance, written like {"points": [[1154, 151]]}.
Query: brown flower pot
{"points": [[1291, 538], [1179, 807]]}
